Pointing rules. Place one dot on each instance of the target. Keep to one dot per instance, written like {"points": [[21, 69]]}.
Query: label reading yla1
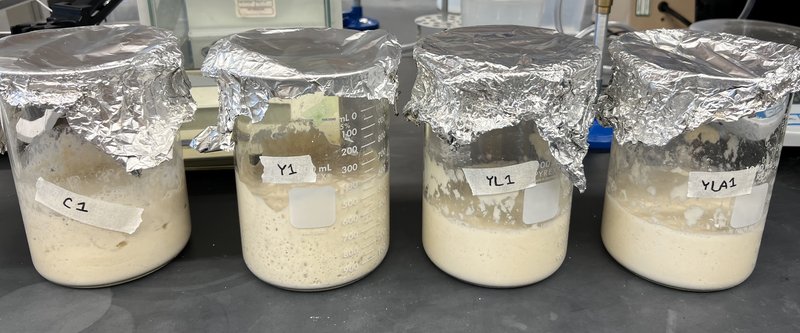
{"points": [[288, 169], [721, 184], [486, 181], [97, 213]]}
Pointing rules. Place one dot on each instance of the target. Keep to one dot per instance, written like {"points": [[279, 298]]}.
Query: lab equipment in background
{"points": [[355, 19], [74, 13], [433, 23], [91, 115], [506, 110], [313, 179], [768, 31], [516, 12], [653, 14], [695, 154], [452, 6], [199, 23], [17, 12], [575, 14], [202, 22]]}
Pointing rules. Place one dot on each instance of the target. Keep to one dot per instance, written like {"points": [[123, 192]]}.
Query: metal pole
{"points": [[600, 28], [445, 13]]}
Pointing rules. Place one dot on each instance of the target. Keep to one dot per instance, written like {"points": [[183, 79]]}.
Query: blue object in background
{"points": [[354, 19], [600, 137]]}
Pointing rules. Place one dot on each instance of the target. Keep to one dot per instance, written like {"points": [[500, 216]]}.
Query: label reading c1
{"points": [[721, 184], [97, 213], [486, 181]]}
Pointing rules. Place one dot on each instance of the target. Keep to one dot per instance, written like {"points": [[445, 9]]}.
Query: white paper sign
{"points": [[255, 8], [97, 213], [288, 169], [721, 184], [485, 181]]}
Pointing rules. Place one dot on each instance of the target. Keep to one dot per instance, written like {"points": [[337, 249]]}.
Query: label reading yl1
{"points": [[505, 179], [288, 169], [98, 213], [721, 184]]}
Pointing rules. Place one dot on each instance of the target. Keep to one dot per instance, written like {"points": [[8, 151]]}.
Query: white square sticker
{"points": [[312, 207], [541, 202], [748, 209]]}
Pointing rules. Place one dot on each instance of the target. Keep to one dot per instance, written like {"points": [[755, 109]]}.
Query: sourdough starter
{"points": [[483, 239], [694, 260], [75, 254], [314, 258]]}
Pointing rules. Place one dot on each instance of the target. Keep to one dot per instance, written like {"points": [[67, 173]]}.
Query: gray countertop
{"points": [[209, 289]]}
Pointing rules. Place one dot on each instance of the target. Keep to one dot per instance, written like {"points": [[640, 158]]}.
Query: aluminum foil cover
{"points": [[667, 82], [121, 88], [477, 79], [254, 66]]}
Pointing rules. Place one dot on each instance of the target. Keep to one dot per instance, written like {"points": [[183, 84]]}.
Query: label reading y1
{"points": [[288, 169], [485, 181], [97, 213], [721, 184]]}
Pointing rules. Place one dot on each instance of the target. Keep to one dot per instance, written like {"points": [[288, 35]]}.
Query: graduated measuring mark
{"points": [[367, 127], [368, 144], [369, 108]]}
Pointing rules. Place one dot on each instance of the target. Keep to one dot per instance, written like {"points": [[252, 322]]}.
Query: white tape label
{"points": [[721, 184], [486, 181], [97, 213], [288, 169], [255, 8]]}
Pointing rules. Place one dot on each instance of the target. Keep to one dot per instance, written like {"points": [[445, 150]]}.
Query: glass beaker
{"points": [[312, 180], [690, 214], [495, 212], [79, 208], [91, 116]]}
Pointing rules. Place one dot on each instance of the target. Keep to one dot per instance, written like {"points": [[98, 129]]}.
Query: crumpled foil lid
{"points": [[667, 82], [254, 66], [121, 88], [477, 79]]}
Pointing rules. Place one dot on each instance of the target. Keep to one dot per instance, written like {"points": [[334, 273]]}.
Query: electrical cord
{"points": [[557, 16], [666, 9], [748, 7]]}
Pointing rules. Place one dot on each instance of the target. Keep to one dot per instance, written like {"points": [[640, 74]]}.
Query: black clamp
{"points": [[72, 14]]}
